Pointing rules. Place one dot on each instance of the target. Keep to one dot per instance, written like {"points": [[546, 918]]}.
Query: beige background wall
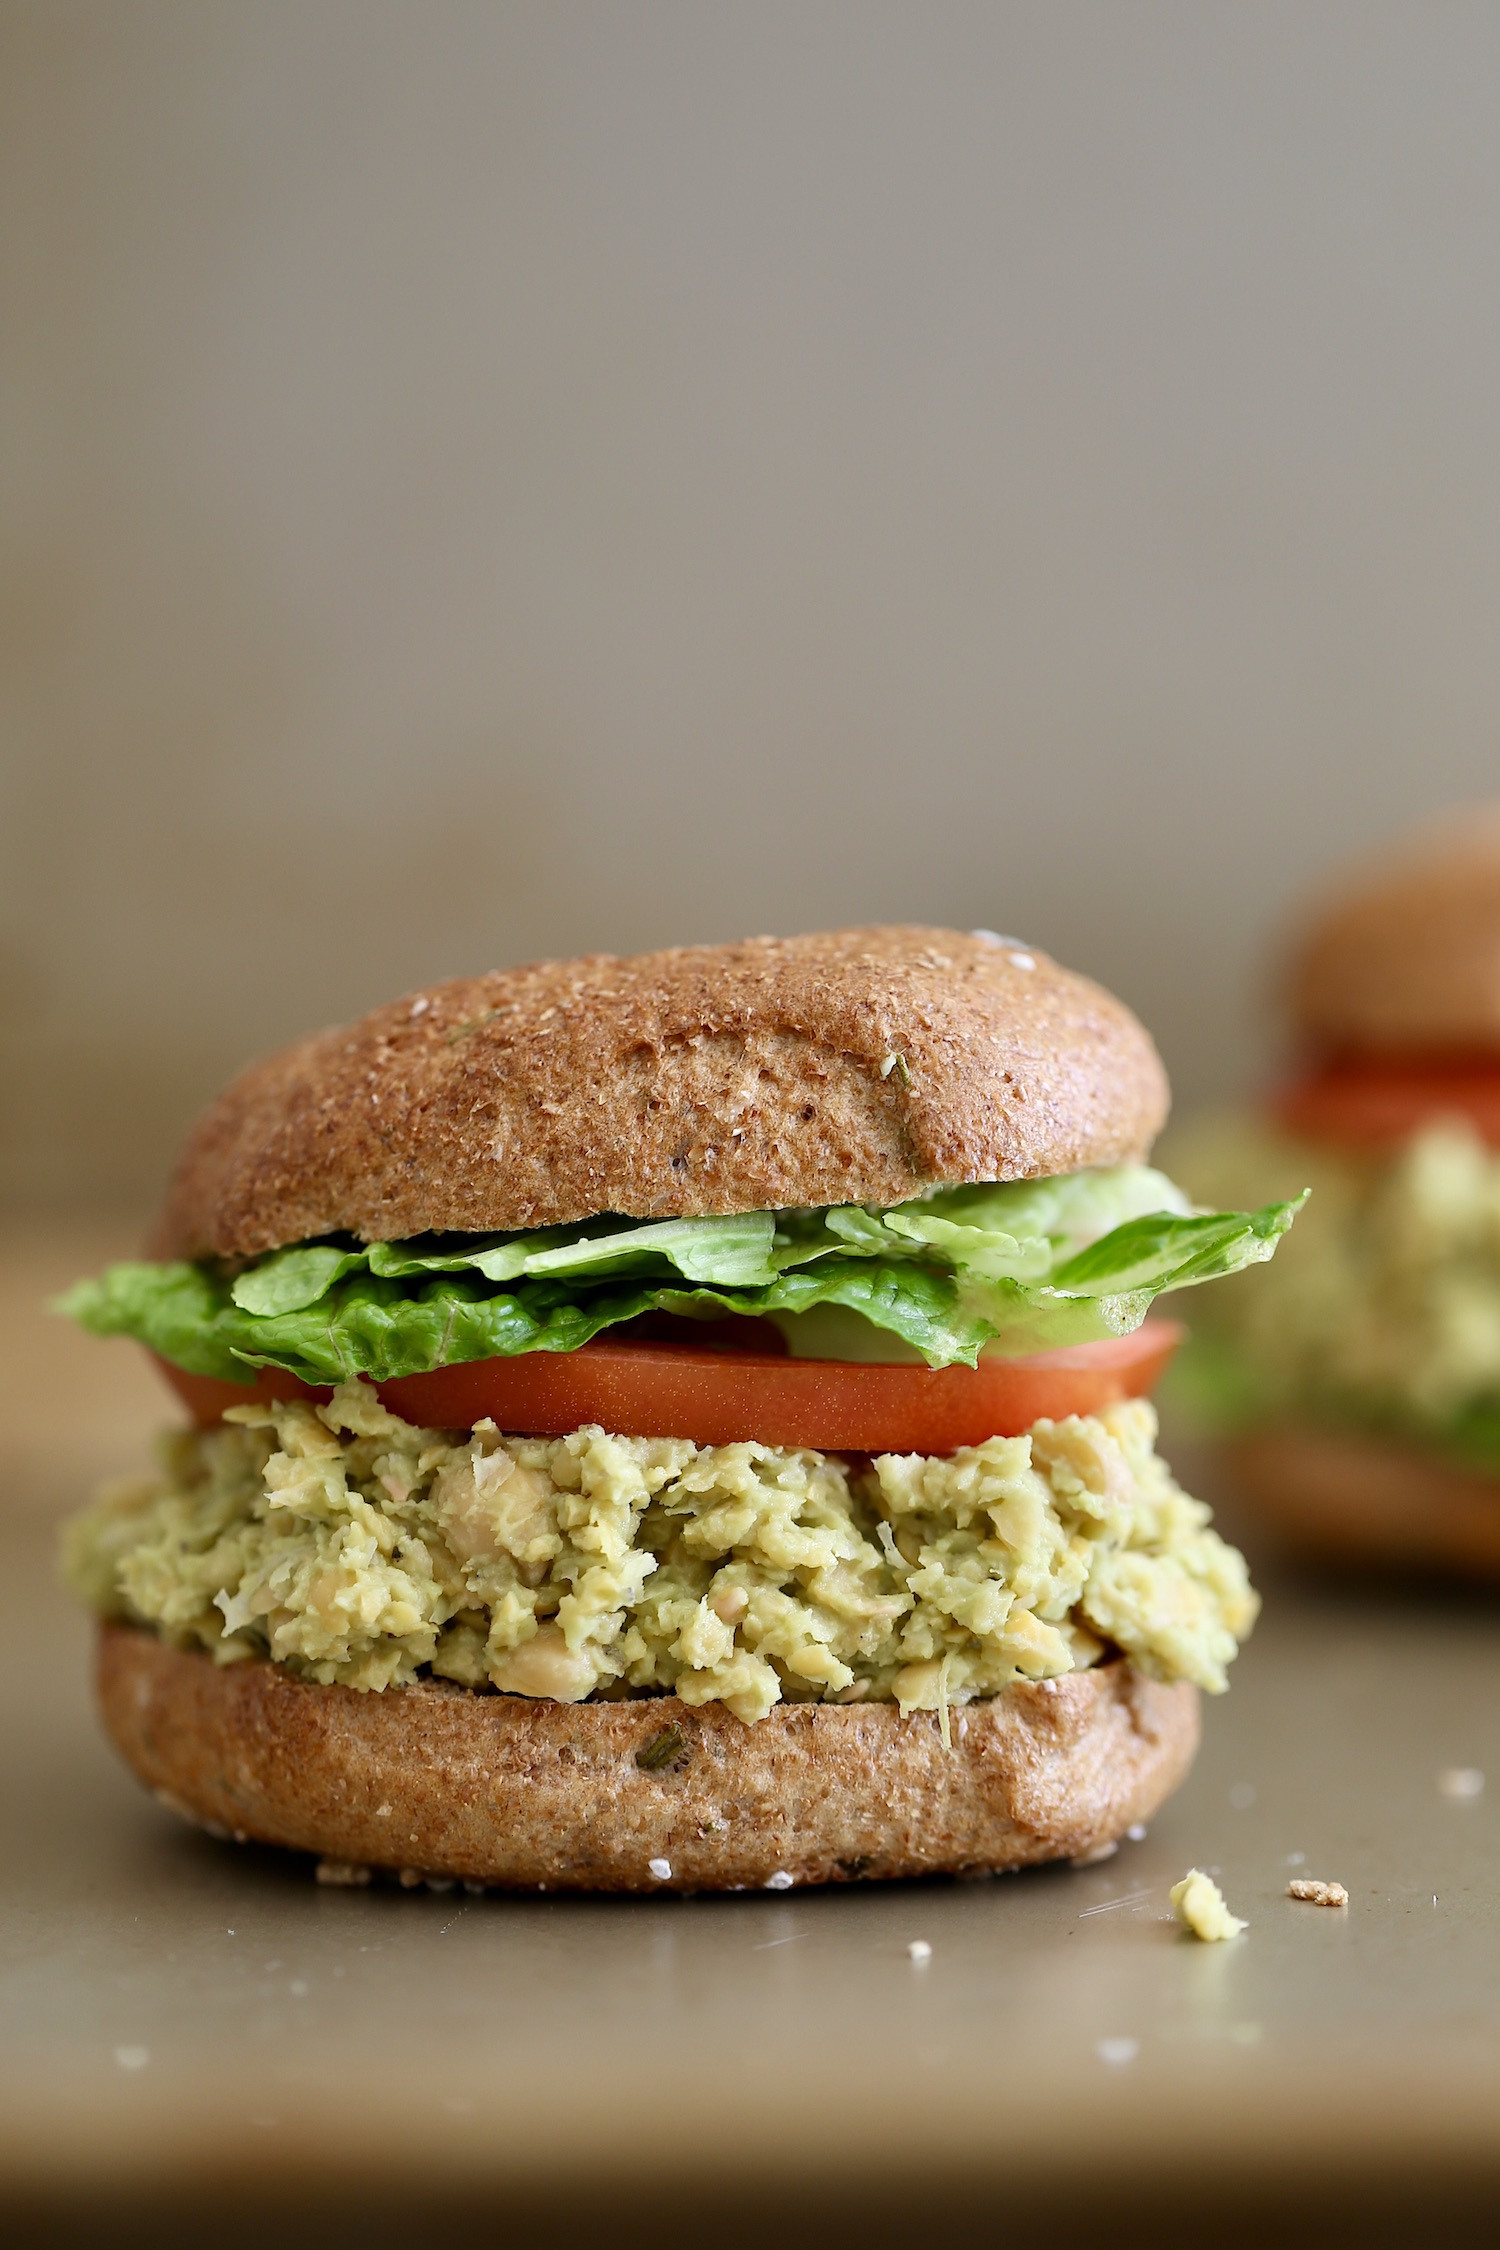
{"points": [[491, 479]]}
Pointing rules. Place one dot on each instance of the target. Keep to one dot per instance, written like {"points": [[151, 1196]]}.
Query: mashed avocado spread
{"points": [[1382, 1308], [350, 1546]]}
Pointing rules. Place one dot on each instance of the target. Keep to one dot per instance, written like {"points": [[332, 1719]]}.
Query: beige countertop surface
{"points": [[182, 2019]]}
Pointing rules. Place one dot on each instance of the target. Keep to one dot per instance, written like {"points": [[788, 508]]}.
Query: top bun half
{"points": [[860, 1066], [1406, 956]]}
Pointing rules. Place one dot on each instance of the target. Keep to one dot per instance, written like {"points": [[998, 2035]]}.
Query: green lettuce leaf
{"points": [[736, 1251], [380, 1327], [293, 1278], [1019, 1266], [1165, 1251], [175, 1310]]}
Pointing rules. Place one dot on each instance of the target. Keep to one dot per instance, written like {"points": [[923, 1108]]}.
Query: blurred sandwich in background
{"points": [[1357, 1382]]}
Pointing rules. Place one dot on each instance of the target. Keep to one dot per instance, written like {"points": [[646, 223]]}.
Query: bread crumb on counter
{"points": [[1199, 1906], [1317, 1894], [343, 1874]]}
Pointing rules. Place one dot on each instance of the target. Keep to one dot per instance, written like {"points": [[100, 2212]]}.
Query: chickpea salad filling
{"points": [[356, 1548]]}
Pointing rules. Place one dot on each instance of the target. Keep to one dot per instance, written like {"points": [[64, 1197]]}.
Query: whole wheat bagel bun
{"points": [[859, 1066], [1344, 1498], [504, 1790], [1406, 955]]}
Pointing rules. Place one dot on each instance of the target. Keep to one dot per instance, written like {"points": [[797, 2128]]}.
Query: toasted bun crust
{"points": [[1350, 1499], [498, 1789], [1407, 956], [707, 1079]]}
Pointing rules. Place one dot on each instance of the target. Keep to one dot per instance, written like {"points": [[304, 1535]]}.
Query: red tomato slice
{"points": [[1369, 1103], [719, 1397]]}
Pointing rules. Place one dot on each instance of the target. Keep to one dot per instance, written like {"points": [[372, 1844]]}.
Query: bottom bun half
{"points": [[1350, 1499], [504, 1790]]}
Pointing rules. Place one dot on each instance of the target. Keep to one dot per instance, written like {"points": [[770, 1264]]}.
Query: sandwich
{"points": [[1359, 1383], [673, 1423]]}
